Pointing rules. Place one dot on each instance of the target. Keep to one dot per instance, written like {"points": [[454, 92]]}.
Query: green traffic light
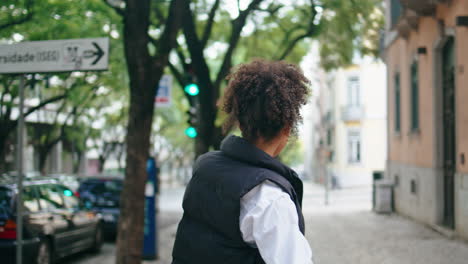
{"points": [[192, 89], [191, 132], [67, 193]]}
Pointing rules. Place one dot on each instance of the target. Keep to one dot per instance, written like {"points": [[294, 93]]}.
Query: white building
{"points": [[353, 123]]}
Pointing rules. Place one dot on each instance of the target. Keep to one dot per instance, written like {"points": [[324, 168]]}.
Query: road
{"points": [[345, 231]]}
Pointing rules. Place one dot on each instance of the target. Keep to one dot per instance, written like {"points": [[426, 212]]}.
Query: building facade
{"points": [[425, 52], [358, 133], [353, 124]]}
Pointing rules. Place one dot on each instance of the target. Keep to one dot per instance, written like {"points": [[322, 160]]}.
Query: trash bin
{"points": [[383, 196], [376, 175]]}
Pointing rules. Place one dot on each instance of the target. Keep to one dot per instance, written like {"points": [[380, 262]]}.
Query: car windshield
{"points": [[101, 192]]}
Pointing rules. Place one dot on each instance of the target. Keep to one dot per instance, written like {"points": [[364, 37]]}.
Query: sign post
{"points": [[19, 162], [46, 56]]}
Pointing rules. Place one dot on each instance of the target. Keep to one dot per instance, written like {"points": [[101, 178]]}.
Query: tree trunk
{"points": [[142, 90], [77, 161], [145, 72], [3, 143], [102, 161], [42, 160], [5, 130]]}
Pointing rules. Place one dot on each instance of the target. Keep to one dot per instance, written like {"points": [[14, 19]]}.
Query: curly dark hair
{"points": [[263, 97]]}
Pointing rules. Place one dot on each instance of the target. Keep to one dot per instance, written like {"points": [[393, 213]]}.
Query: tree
{"points": [[109, 139], [145, 67], [8, 102], [350, 28], [270, 29], [15, 12], [65, 116]]}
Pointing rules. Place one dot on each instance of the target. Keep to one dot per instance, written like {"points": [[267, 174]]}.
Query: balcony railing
{"points": [[422, 7], [352, 113]]}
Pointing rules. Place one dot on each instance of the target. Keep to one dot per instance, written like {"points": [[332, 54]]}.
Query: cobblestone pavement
{"points": [[345, 231]]}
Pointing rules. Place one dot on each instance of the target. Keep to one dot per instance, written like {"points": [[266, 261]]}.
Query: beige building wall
{"points": [[371, 123], [416, 157]]}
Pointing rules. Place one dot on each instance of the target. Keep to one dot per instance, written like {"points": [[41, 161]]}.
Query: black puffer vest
{"points": [[209, 230]]}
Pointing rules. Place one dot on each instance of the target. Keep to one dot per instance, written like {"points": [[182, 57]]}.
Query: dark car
{"points": [[102, 195], [54, 222]]}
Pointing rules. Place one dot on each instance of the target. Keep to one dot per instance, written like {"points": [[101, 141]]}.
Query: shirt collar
{"points": [[240, 149]]}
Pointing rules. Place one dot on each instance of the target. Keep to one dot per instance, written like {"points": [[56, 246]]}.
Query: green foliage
{"points": [[349, 28], [171, 122], [88, 95], [293, 153]]}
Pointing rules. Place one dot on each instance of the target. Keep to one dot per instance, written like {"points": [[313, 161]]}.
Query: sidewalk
{"points": [[345, 231]]}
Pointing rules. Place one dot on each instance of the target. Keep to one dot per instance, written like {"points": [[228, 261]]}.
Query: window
{"points": [[30, 199], [414, 97], [395, 11], [50, 198], [353, 91], [69, 198], [354, 146], [330, 137], [397, 103]]}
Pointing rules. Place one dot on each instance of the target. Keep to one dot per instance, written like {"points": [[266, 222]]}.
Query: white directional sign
{"points": [[55, 56]]}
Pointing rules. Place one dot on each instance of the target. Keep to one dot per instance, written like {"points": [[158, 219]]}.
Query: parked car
{"points": [[102, 195], [70, 181], [55, 224]]}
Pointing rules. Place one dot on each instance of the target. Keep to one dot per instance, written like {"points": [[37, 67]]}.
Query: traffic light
{"points": [[191, 89], [192, 120], [191, 132], [191, 86]]}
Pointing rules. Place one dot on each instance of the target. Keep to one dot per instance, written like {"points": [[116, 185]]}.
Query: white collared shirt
{"points": [[269, 222]]}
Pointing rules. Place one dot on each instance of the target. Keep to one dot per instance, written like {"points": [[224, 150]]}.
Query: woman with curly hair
{"points": [[242, 205]]}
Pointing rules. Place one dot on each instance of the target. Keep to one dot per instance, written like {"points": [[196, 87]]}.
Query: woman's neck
{"points": [[270, 147]]}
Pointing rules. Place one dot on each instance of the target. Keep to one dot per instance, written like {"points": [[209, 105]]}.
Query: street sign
{"points": [[88, 54], [47, 56], [163, 96]]}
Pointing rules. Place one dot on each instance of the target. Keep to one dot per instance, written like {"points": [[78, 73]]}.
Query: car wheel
{"points": [[98, 239], [44, 255]]}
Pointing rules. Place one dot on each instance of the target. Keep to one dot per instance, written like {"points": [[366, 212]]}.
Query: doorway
{"points": [[448, 131]]}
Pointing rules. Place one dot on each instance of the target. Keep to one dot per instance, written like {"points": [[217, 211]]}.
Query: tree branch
{"points": [[44, 103], [209, 23], [26, 18], [309, 32], [180, 79], [237, 26], [17, 22], [6, 85], [118, 10], [169, 36]]}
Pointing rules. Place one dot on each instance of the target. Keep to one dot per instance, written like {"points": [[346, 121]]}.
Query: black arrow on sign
{"points": [[91, 53]]}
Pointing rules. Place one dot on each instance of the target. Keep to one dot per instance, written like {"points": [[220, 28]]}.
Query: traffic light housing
{"points": [[191, 86], [192, 121]]}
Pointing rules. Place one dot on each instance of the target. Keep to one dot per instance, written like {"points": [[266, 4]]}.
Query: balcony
{"points": [[352, 113], [422, 7], [407, 22]]}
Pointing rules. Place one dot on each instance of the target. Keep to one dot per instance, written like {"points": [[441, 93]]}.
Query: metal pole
{"points": [[327, 198], [19, 160]]}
